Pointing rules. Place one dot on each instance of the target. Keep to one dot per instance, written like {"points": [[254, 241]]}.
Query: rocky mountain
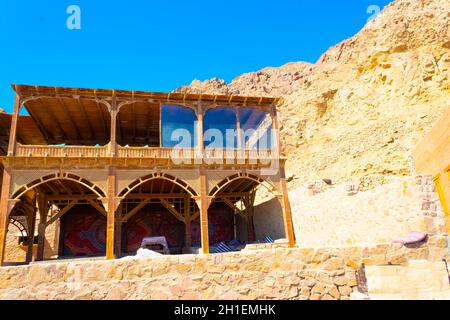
{"points": [[362, 107]]}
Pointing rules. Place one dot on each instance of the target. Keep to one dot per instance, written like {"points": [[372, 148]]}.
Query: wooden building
{"points": [[93, 160], [432, 157]]}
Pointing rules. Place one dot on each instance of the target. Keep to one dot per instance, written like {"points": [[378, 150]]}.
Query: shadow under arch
{"points": [[228, 180], [136, 183], [56, 176]]}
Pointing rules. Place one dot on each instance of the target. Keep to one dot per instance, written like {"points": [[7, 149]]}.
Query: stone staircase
{"points": [[417, 280]]}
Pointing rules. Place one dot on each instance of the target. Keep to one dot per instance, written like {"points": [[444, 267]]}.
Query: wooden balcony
{"points": [[212, 156]]}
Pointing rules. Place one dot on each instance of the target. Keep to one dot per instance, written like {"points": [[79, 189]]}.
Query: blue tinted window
{"points": [[178, 126]]}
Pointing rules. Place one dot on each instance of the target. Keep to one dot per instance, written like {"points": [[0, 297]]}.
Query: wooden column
{"points": [[30, 241], [204, 212], [118, 233], [13, 130], [43, 212], [250, 224], [4, 212], [187, 221], [113, 133], [287, 216], [111, 210]]}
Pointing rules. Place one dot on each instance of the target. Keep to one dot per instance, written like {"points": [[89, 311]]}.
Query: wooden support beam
{"points": [[287, 216], [4, 211], [31, 222], [234, 207], [135, 210], [172, 210], [113, 132], [13, 131], [43, 211], [204, 212], [112, 205], [249, 209], [61, 212], [118, 232], [98, 207]]}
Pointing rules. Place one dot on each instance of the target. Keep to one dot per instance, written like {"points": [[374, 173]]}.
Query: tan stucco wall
{"points": [[340, 216]]}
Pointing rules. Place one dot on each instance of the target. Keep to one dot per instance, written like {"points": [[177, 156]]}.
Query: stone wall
{"points": [[17, 253], [298, 273]]}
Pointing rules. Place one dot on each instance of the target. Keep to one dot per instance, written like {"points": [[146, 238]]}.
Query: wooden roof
{"points": [[77, 116], [27, 133], [27, 90]]}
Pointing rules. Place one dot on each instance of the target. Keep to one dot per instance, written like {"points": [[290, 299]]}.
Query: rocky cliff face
{"points": [[359, 111]]}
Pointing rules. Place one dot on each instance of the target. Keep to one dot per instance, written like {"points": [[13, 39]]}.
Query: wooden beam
{"points": [[172, 210], [110, 223], [135, 210], [13, 130], [98, 207], [4, 212], [31, 223], [204, 212], [43, 212], [61, 212], [249, 210], [233, 206], [287, 215], [113, 129]]}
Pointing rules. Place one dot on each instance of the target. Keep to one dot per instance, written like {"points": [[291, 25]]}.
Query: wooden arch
{"points": [[59, 176], [158, 175], [242, 175], [22, 229]]}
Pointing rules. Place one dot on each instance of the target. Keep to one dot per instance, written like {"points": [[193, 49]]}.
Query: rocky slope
{"points": [[359, 111]]}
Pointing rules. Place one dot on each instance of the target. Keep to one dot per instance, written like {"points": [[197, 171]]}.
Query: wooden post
{"points": [[57, 238], [204, 212], [13, 130], [250, 224], [118, 233], [287, 216], [113, 137], [187, 221], [238, 129], [30, 240], [4, 212], [110, 225], [43, 212]]}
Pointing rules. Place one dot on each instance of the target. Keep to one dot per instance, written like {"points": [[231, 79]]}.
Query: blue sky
{"points": [[161, 45]]}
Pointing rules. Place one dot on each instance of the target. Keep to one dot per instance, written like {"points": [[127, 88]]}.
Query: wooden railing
{"points": [[142, 152], [61, 151]]}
